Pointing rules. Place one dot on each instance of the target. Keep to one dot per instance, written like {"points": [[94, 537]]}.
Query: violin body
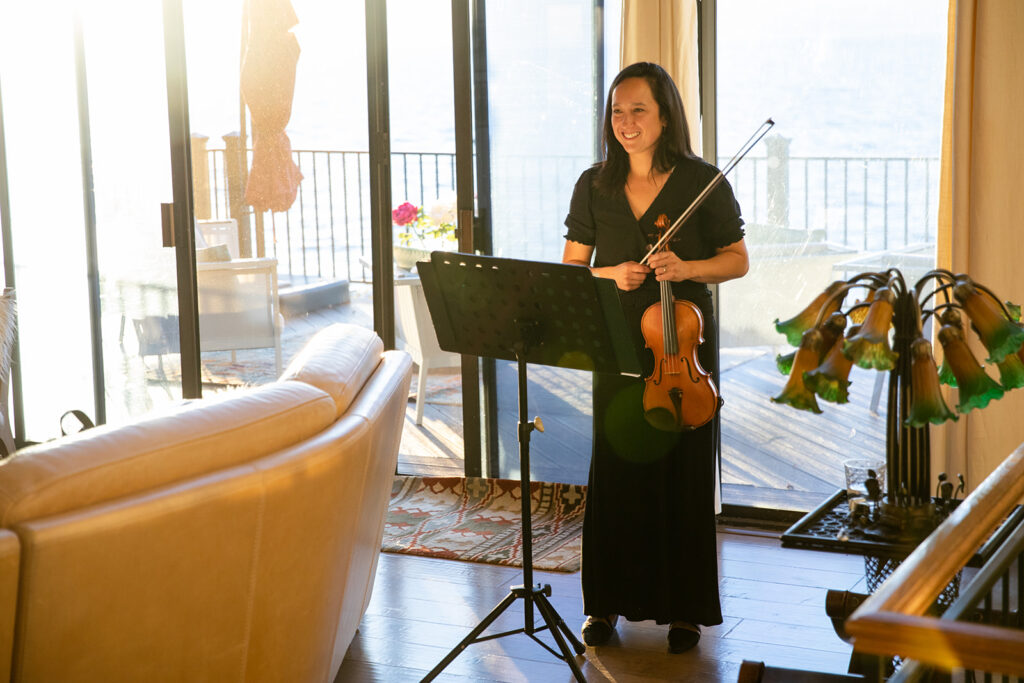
{"points": [[680, 394]]}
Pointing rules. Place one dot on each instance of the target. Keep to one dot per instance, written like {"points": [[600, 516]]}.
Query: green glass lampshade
{"points": [[858, 315], [926, 403], [869, 348], [1000, 335], [796, 393], [830, 380], [1014, 310], [946, 375], [976, 388], [951, 317], [831, 331], [784, 362], [806, 319], [1011, 371]]}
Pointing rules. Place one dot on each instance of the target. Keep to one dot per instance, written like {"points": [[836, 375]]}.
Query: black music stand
{"points": [[529, 312]]}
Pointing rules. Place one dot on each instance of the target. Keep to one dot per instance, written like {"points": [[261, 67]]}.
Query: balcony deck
{"points": [[768, 448]]}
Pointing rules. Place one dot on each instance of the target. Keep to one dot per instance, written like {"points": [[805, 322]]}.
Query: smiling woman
{"points": [[662, 473]]}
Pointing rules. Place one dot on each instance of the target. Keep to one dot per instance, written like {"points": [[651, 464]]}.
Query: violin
{"points": [[680, 394]]}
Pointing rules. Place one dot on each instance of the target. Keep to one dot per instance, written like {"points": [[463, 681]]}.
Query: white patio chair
{"points": [[417, 331]]}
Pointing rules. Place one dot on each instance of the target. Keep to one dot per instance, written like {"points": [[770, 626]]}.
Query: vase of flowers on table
{"points": [[423, 229]]}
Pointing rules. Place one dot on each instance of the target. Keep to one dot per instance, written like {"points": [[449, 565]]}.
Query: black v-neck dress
{"points": [[649, 547]]}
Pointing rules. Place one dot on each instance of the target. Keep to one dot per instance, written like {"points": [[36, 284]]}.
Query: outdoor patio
{"points": [[772, 454]]}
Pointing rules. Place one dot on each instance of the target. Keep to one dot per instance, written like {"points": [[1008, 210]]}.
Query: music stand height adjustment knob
{"points": [[538, 424]]}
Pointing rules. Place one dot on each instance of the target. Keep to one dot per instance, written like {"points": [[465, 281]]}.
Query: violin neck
{"points": [[668, 319]]}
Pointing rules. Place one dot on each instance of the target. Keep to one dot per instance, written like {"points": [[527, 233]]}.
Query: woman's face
{"points": [[636, 119]]}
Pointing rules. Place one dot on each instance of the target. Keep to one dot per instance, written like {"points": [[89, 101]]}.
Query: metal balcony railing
{"points": [[859, 203]]}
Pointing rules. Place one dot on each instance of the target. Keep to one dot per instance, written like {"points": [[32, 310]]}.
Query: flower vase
{"points": [[406, 256]]}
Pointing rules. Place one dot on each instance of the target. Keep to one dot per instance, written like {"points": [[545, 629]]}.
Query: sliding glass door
{"points": [[846, 182], [88, 164], [548, 64]]}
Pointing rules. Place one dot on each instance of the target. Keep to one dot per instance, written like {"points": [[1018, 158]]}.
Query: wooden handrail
{"points": [[892, 621]]}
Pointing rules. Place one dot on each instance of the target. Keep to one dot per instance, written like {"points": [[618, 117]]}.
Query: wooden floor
{"points": [[773, 602]]}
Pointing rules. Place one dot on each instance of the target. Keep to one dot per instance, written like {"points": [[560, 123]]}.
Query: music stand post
{"points": [[529, 312]]}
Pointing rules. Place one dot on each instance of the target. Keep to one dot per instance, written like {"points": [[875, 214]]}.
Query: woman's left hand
{"points": [[667, 266]]}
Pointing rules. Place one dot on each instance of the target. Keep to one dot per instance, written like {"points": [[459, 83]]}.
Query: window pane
{"points": [[268, 280], [846, 182], [544, 108]]}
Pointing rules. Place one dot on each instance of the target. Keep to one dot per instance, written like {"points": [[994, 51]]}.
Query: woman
{"points": [[649, 548]]}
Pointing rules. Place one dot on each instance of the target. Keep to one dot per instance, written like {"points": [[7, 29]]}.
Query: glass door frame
{"points": [[179, 214], [472, 154], [184, 237], [380, 191], [18, 426], [485, 416]]}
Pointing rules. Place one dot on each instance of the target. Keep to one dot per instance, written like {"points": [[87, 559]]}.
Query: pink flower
{"points": [[405, 214]]}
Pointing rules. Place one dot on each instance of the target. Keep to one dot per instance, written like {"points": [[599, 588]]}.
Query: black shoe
{"points": [[682, 637], [598, 631]]}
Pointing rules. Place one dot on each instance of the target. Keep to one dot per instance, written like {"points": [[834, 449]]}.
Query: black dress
{"points": [[649, 547]]}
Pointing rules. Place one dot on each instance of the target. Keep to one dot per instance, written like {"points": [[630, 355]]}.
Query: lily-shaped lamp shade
{"points": [[807, 318], [1000, 335], [976, 388], [831, 330], [784, 362], [946, 375], [926, 402], [949, 316], [869, 348], [830, 380], [1011, 371], [861, 312], [796, 393]]}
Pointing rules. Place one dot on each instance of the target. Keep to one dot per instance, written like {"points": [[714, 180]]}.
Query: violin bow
{"points": [[695, 204]]}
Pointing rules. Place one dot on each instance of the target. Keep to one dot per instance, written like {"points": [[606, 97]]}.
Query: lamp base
{"points": [[898, 524]]}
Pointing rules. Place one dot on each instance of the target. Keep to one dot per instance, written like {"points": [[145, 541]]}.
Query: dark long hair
{"points": [[674, 142]]}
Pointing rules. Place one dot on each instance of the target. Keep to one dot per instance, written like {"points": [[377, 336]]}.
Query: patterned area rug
{"points": [[479, 520]]}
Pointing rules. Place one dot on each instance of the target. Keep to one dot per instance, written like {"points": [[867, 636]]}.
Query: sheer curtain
{"points": [[981, 204]]}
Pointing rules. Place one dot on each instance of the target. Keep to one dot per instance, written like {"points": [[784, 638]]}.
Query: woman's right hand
{"points": [[628, 275]]}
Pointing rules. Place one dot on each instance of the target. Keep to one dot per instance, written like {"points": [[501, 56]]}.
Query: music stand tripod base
{"points": [[530, 312]]}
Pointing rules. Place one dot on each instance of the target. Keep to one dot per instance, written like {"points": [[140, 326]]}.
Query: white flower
{"points": [[443, 209]]}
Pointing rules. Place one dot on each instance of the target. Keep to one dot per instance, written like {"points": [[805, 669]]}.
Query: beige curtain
{"points": [[981, 204], [665, 32]]}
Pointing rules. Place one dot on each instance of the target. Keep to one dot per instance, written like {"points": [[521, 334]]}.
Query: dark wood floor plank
{"points": [[774, 575], [773, 609]]}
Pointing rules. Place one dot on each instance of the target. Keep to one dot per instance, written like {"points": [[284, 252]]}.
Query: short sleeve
{"points": [[721, 213], [580, 221]]}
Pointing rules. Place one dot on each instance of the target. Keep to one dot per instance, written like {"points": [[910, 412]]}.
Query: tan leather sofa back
{"points": [[338, 360], [203, 436], [242, 569]]}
